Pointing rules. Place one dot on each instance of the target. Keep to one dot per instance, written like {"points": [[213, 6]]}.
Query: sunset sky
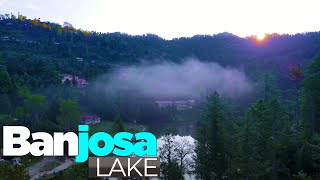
{"points": [[175, 18]]}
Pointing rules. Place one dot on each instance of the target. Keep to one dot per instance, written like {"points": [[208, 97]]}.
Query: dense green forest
{"points": [[271, 134]]}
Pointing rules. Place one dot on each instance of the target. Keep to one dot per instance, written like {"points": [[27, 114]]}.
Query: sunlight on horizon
{"points": [[261, 37]]}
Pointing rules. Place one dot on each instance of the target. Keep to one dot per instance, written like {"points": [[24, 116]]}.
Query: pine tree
{"points": [[170, 168], [248, 154], [282, 141], [69, 115], [201, 159], [5, 104], [212, 156], [5, 81], [267, 87], [256, 142], [310, 100], [310, 111]]}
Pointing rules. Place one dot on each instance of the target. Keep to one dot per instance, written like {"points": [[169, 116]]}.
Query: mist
{"points": [[166, 80]]}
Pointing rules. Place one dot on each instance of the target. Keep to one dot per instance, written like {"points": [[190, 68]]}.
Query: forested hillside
{"points": [[23, 39], [51, 75]]}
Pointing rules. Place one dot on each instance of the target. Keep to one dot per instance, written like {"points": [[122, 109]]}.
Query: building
{"points": [[89, 119], [79, 59], [79, 82], [180, 105], [69, 77], [82, 83], [5, 38], [164, 104]]}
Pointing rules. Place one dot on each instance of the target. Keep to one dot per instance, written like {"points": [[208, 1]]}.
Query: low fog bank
{"points": [[166, 80]]}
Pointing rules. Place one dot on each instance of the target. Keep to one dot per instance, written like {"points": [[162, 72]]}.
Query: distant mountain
{"points": [[24, 41]]}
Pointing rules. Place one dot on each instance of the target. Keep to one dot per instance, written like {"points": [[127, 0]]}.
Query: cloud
{"points": [[169, 80]]}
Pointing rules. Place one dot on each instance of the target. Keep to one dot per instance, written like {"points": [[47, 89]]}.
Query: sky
{"points": [[175, 18]]}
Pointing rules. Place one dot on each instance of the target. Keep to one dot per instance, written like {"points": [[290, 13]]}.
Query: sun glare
{"points": [[261, 37]]}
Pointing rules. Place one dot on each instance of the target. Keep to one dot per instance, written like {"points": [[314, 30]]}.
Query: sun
{"points": [[261, 37]]}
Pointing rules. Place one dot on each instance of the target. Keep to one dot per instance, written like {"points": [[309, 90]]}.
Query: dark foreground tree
{"points": [[211, 161], [170, 168]]}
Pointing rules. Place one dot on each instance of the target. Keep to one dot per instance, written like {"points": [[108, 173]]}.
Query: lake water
{"points": [[178, 139]]}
